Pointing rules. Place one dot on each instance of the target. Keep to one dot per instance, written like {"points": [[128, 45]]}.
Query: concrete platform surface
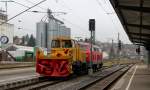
{"points": [[137, 78], [10, 65], [8, 75]]}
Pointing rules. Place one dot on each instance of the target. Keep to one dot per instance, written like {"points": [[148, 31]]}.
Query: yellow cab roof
{"points": [[62, 38]]}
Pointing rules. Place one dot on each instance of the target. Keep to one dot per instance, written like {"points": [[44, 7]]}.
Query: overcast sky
{"points": [[78, 14]]}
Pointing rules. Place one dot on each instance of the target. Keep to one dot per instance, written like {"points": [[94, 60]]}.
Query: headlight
{"points": [[44, 50]]}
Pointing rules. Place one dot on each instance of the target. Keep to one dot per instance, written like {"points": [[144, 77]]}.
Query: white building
{"points": [[6, 29]]}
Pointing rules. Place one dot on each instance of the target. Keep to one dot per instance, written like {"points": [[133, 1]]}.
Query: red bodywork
{"points": [[53, 68], [97, 56]]}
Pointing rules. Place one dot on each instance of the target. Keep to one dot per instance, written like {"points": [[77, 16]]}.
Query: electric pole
{"points": [[112, 50], [119, 47]]}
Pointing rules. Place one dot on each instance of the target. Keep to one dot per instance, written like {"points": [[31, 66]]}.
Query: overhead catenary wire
{"points": [[65, 5], [42, 8], [111, 13], [99, 3], [54, 12], [75, 15], [113, 22], [39, 11], [101, 8], [23, 12], [21, 4], [108, 13], [34, 3], [73, 24]]}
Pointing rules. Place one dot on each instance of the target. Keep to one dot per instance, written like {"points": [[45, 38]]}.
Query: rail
{"points": [[84, 82]]}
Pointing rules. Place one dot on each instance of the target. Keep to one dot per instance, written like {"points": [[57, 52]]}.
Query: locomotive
{"points": [[67, 57]]}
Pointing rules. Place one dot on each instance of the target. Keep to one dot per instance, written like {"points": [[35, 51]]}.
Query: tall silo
{"points": [[52, 32], [68, 32], [58, 30], [41, 38], [62, 31]]}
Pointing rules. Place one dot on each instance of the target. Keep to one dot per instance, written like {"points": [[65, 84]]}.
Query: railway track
{"points": [[36, 86], [83, 82], [106, 82], [100, 81], [12, 84], [86, 82]]}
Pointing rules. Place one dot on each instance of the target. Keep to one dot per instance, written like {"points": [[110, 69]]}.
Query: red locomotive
{"points": [[97, 55]]}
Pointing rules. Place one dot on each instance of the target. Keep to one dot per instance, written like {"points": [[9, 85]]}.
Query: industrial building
{"points": [[48, 31], [6, 29]]}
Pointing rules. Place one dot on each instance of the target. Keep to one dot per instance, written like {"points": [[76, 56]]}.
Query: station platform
{"points": [[9, 75], [137, 78], [10, 64]]}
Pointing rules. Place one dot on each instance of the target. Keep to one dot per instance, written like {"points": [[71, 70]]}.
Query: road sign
{"points": [[4, 39]]}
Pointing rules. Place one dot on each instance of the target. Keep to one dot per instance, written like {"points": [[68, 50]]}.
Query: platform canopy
{"points": [[135, 18]]}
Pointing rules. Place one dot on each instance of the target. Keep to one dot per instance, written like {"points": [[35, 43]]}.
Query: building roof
{"points": [[135, 18], [24, 48]]}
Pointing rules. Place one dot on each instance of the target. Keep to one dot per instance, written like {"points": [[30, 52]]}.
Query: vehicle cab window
{"points": [[66, 44], [55, 44]]}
